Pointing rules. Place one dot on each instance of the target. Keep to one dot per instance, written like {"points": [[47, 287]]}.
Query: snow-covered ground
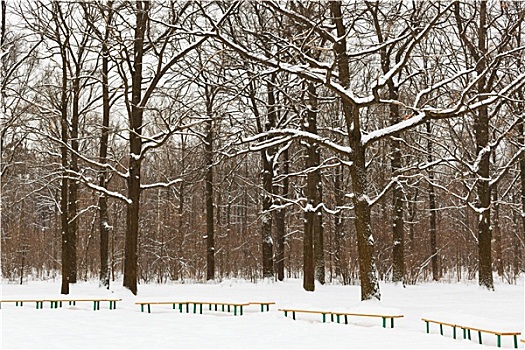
{"points": [[127, 328]]}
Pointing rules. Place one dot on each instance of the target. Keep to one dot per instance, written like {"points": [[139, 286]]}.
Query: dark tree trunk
{"points": [[73, 185], [313, 222], [497, 231], [280, 220], [481, 130], [432, 207], [398, 230], [521, 142], [104, 227], [210, 230], [135, 148], [64, 188], [365, 240], [268, 156], [338, 220]]}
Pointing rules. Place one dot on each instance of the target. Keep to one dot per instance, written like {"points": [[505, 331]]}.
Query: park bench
{"points": [[467, 331], [56, 303], [211, 305], [263, 304], [345, 314]]}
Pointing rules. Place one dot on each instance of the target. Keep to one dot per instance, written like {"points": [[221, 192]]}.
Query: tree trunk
{"points": [[481, 130], [314, 192], [64, 185], [280, 220], [73, 185], [398, 230], [365, 240], [104, 227], [210, 230], [338, 220], [135, 148], [432, 209]]}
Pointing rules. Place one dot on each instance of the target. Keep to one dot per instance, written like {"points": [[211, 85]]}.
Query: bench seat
{"points": [[467, 331], [345, 314]]}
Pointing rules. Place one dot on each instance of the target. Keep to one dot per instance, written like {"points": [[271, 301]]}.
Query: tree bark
{"points": [[314, 193], [365, 240], [280, 219], [104, 227], [432, 208], [135, 148], [481, 131], [210, 230]]}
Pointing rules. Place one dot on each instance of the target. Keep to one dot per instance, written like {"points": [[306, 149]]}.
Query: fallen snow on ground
{"points": [[79, 327]]}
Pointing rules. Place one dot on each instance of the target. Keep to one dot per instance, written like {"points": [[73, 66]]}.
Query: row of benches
{"points": [[56, 303], [335, 316]]}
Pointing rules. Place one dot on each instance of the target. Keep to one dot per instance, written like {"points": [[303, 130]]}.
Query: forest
{"points": [[344, 142]]}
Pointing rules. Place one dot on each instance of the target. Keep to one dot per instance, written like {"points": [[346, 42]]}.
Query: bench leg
{"points": [[141, 307], [180, 308], [468, 333], [392, 322], [209, 307], [479, 337], [440, 329], [464, 333], [324, 318], [200, 308], [222, 307], [285, 313], [228, 308], [194, 308], [454, 332], [149, 308], [346, 319], [187, 307], [241, 309], [384, 322], [293, 315], [515, 341], [337, 316], [428, 326], [499, 340], [234, 309], [331, 317]]}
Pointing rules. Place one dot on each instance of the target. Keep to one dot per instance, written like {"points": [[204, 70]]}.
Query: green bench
{"points": [[337, 315], [468, 329], [263, 304], [217, 306], [56, 303]]}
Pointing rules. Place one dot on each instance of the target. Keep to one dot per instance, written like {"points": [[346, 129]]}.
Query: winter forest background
{"points": [[343, 142]]}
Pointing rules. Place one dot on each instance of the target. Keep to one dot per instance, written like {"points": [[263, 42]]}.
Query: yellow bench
{"points": [[338, 315], [181, 304], [467, 331], [56, 303], [263, 304]]}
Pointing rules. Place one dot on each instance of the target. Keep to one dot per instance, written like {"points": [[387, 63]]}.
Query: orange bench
{"points": [[467, 331], [56, 303], [338, 315]]}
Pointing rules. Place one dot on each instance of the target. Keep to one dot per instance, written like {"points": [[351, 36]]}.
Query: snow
{"points": [[127, 328]]}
